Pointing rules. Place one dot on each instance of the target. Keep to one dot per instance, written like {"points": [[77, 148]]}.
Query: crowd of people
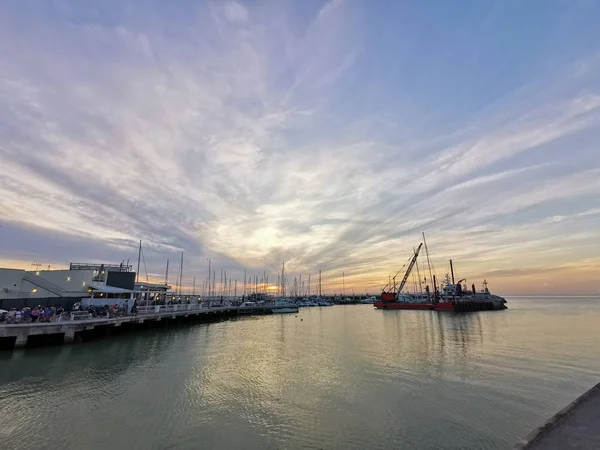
{"points": [[108, 311], [39, 314], [35, 314]]}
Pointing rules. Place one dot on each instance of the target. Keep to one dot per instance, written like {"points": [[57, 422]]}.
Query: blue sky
{"points": [[324, 134]]}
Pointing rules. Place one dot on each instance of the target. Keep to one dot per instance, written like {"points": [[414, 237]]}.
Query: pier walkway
{"points": [[577, 426], [21, 334]]}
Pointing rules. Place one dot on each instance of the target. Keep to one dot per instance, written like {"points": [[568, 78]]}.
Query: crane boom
{"points": [[410, 266]]}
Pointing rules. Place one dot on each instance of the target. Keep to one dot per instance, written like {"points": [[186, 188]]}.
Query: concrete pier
{"points": [[577, 426], [66, 331]]}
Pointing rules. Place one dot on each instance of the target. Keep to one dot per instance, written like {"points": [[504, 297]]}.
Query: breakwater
{"points": [[575, 426]]}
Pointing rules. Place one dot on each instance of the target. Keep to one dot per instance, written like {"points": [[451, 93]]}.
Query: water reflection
{"points": [[341, 377]]}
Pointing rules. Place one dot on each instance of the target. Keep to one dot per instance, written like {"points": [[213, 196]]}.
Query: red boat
{"points": [[453, 296], [399, 305], [444, 306]]}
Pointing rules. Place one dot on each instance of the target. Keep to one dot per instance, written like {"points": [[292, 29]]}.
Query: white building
{"points": [[151, 293], [86, 283]]}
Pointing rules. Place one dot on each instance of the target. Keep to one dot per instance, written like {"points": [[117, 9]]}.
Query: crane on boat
{"points": [[392, 294], [409, 269]]}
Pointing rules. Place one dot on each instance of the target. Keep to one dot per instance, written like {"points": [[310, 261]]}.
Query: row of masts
{"points": [[253, 284]]}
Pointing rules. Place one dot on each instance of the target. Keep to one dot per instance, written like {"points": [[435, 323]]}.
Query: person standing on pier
{"points": [[35, 312]]}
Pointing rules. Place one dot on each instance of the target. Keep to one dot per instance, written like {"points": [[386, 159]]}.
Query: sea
{"points": [[340, 377]]}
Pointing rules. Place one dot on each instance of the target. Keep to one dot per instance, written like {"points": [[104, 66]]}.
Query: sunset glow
{"points": [[324, 134]]}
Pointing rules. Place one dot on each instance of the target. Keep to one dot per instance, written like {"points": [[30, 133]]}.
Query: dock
{"points": [[577, 426], [77, 329]]}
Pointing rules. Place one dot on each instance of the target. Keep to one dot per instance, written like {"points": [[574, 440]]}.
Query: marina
{"points": [[329, 377], [89, 299], [316, 225]]}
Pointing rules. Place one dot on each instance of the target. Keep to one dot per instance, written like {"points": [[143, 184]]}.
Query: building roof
{"points": [[109, 289], [140, 285]]}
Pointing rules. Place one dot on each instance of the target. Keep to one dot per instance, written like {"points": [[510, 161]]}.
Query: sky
{"points": [[324, 134]]}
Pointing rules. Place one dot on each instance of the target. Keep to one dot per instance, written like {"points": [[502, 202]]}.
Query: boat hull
{"points": [[401, 305], [466, 306], [444, 306]]}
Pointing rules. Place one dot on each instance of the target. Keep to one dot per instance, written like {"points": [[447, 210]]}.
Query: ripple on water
{"points": [[343, 377]]}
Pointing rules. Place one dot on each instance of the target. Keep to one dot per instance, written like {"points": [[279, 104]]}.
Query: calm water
{"points": [[330, 378]]}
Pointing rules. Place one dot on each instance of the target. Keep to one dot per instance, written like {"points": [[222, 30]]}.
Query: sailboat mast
{"points": [[283, 279], [428, 260], [180, 273], [137, 274], [418, 273], [319, 283], [208, 285], [167, 273]]}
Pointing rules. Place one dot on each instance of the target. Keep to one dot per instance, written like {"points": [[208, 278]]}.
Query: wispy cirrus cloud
{"points": [[257, 133]]}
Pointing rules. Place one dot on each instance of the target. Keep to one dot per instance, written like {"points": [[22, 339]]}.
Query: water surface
{"points": [[344, 377]]}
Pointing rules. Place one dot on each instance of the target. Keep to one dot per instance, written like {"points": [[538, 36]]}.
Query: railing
{"points": [[144, 310], [179, 308], [157, 309]]}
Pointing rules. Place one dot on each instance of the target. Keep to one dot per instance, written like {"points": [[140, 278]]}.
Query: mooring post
{"points": [[69, 336], [21, 340]]}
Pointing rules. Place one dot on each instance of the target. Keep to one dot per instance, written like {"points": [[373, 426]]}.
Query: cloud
{"points": [[255, 133], [235, 12]]}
